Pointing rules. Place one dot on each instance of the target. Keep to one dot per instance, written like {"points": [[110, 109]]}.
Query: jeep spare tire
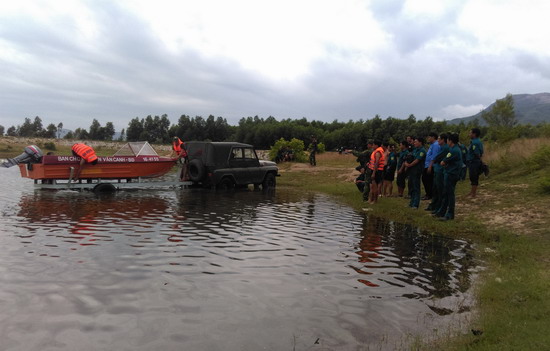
{"points": [[196, 170]]}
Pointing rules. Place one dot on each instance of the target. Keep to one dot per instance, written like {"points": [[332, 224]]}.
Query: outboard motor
{"points": [[32, 154]]}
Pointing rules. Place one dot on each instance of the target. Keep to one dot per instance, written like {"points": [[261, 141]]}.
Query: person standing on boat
{"points": [[86, 154], [32, 154]]}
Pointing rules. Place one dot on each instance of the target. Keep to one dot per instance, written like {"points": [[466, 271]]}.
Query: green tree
{"points": [[1, 130], [12, 131], [108, 131], [80, 133], [51, 131], [135, 129], [26, 129], [95, 130], [502, 114], [37, 127], [155, 130]]}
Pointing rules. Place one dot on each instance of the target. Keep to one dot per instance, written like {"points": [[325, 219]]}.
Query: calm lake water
{"points": [[199, 270]]}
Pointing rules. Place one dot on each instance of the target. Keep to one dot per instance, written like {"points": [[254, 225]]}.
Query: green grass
{"points": [[513, 292]]}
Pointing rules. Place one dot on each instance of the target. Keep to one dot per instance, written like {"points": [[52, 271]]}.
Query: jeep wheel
{"points": [[269, 181], [225, 184], [196, 170]]}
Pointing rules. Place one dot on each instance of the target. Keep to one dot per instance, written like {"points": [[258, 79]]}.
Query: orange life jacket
{"points": [[176, 146], [85, 151], [381, 160]]}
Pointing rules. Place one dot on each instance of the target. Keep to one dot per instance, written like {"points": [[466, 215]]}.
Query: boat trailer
{"points": [[106, 185]]}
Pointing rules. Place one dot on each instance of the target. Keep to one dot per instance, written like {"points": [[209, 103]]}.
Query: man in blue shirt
{"points": [[437, 193], [473, 158], [427, 173]]}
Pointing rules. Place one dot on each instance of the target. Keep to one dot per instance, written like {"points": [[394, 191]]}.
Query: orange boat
{"points": [[134, 160]]}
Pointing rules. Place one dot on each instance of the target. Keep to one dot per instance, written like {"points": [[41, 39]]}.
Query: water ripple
{"points": [[176, 264]]}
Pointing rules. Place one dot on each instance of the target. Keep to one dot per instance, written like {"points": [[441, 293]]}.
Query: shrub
{"points": [[321, 148], [540, 158], [49, 145], [544, 184], [294, 146]]}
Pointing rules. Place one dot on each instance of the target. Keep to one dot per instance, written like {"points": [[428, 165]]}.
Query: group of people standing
{"points": [[438, 168]]}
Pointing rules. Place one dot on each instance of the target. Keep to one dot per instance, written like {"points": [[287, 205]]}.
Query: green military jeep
{"points": [[227, 165]]}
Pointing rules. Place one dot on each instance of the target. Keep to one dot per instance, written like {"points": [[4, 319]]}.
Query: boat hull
{"points": [[119, 167]]}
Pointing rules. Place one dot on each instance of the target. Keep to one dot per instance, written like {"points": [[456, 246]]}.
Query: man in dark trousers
{"points": [[401, 169], [313, 150], [376, 166], [414, 171], [437, 191], [428, 173], [473, 157], [363, 159], [452, 165]]}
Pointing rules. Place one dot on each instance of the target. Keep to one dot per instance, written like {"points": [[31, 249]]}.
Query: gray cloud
{"points": [[127, 72]]}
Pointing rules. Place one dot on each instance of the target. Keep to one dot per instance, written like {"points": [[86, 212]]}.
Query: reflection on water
{"points": [[183, 269]]}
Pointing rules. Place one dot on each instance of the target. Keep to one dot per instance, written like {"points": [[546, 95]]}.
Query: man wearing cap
{"points": [[86, 154]]}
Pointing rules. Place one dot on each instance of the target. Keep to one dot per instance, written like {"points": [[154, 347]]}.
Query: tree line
{"points": [[500, 124], [35, 128]]}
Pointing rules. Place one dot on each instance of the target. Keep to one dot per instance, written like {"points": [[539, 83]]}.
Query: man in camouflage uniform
{"points": [[363, 159]]}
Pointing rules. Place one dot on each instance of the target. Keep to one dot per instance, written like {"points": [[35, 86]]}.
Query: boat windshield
{"points": [[137, 148]]}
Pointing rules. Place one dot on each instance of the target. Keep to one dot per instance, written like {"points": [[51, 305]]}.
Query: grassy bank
{"points": [[509, 224]]}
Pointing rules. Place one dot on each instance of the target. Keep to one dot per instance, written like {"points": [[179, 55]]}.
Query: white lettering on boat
{"points": [[68, 158], [116, 159], [111, 159]]}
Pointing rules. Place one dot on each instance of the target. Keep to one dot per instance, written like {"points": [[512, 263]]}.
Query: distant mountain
{"points": [[530, 109]]}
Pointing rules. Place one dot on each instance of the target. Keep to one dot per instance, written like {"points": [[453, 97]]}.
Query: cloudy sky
{"points": [[72, 61]]}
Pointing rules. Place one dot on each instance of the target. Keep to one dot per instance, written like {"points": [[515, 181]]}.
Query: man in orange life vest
{"points": [[376, 165], [178, 149], [86, 154], [176, 146]]}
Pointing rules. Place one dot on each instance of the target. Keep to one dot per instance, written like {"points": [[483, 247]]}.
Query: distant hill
{"points": [[530, 109]]}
